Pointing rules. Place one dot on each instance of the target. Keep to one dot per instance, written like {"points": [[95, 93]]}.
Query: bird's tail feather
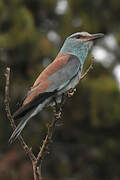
{"points": [[18, 130], [29, 110], [23, 121]]}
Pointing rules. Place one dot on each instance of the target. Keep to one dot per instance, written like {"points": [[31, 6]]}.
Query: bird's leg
{"points": [[56, 109], [63, 99], [71, 92]]}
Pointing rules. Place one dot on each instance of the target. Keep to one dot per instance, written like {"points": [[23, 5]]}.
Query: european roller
{"points": [[57, 79]]}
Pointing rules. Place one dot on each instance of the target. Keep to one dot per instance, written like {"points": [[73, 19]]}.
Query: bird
{"points": [[56, 79]]}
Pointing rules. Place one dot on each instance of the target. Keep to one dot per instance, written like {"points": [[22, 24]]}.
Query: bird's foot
{"points": [[71, 92], [57, 113]]}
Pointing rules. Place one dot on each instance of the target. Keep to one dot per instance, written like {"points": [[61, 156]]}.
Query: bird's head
{"points": [[84, 38], [79, 43]]}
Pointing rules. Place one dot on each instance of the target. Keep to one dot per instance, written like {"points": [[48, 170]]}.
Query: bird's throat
{"points": [[79, 51]]}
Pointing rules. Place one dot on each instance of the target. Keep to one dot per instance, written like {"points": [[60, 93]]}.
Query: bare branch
{"points": [[7, 108], [88, 70], [37, 161], [48, 138]]}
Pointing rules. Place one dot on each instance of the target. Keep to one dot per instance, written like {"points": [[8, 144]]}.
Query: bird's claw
{"points": [[71, 92], [58, 115]]}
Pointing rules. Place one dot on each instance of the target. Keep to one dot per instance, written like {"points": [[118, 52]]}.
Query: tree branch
{"points": [[37, 160], [88, 70], [27, 150]]}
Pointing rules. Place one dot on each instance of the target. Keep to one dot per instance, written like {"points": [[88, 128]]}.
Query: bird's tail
{"points": [[18, 129], [24, 118], [29, 110]]}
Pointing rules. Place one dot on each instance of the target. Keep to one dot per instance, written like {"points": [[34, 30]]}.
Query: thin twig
{"points": [[7, 108], [88, 70], [48, 138]]}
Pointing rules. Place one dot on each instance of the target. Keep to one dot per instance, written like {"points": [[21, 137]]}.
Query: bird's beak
{"points": [[95, 36]]}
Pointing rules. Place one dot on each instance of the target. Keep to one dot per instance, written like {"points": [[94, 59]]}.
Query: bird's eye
{"points": [[78, 36]]}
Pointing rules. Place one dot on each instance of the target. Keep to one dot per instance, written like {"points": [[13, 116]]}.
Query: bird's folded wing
{"points": [[24, 109], [54, 78], [65, 74]]}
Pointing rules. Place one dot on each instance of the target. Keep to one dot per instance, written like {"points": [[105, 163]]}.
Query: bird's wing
{"points": [[55, 77]]}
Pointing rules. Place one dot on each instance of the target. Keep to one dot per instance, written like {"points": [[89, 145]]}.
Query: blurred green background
{"points": [[87, 145]]}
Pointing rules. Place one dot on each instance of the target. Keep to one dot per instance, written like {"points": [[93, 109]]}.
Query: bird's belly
{"points": [[73, 82]]}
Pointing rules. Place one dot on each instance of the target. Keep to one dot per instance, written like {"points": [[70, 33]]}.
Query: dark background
{"points": [[87, 145]]}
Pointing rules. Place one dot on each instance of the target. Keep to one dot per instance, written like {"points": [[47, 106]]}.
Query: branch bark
{"points": [[27, 150]]}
